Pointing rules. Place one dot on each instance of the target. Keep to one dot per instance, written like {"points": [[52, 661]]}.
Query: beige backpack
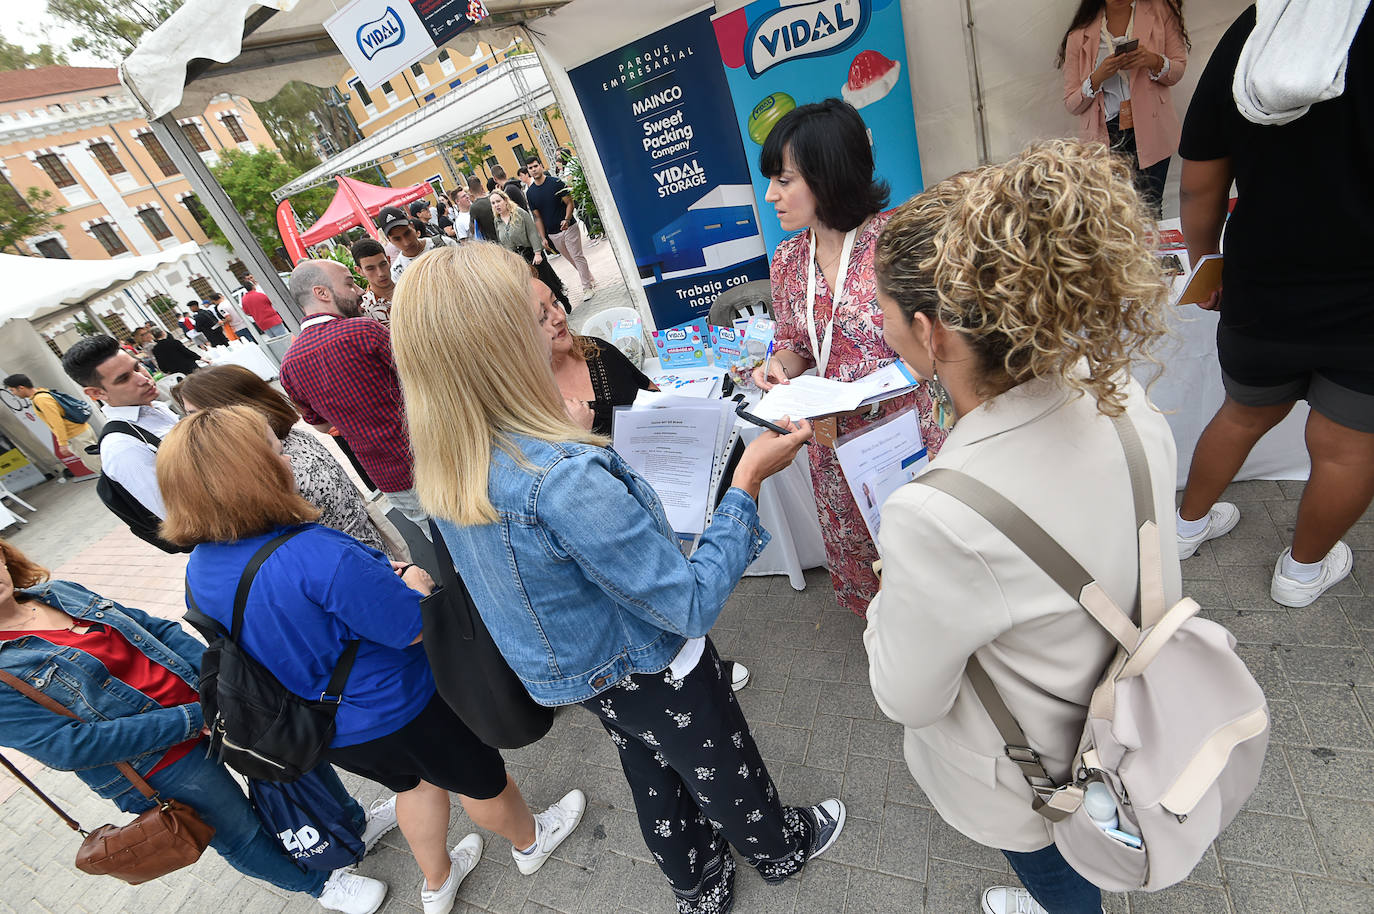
{"points": [[1177, 726]]}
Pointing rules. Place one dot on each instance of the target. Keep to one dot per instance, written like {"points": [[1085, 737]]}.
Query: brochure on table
{"points": [[879, 460]]}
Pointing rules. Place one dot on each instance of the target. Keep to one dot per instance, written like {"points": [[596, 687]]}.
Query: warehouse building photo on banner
{"points": [[657, 109], [779, 55]]}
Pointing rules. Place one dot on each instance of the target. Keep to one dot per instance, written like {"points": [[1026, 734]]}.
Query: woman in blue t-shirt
{"points": [[317, 591]]}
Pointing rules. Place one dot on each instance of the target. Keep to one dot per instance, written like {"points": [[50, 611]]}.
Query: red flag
{"points": [[290, 233], [358, 209]]}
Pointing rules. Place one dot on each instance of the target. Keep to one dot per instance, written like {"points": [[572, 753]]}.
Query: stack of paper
{"points": [[675, 442], [701, 383], [807, 396]]}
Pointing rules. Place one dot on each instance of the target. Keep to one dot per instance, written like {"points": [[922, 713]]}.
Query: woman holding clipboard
{"points": [[820, 170]]}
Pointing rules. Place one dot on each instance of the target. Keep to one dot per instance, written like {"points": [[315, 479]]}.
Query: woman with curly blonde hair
{"points": [[1024, 290]]}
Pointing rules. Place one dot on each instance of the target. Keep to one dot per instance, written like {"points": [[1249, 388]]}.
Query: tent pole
{"points": [[218, 205], [975, 82]]}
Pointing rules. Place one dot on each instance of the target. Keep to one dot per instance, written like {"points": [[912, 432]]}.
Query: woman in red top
{"points": [[820, 170], [131, 679]]}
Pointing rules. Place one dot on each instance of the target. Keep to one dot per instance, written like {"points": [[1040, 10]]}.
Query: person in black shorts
{"points": [[1297, 298]]}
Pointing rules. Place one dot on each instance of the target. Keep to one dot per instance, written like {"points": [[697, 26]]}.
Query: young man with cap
{"points": [[400, 231], [420, 217]]}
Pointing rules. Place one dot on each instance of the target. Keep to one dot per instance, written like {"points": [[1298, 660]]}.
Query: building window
{"points": [[15, 198], [430, 97], [521, 157], [446, 62], [361, 91], [56, 169], [455, 84], [109, 238], [53, 249], [160, 158], [196, 138], [153, 222], [197, 211], [235, 128], [417, 69], [390, 92], [107, 159], [201, 285], [240, 272], [115, 322]]}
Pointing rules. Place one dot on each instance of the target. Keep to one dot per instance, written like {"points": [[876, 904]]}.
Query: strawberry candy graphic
{"points": [[871, 76]]}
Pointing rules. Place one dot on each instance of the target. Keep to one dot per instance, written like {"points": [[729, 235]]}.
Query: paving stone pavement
{"points": [[1304, 843]]}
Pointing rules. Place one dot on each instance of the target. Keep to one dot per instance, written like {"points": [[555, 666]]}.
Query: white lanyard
{"points": [[319, 319], [839, 295]]}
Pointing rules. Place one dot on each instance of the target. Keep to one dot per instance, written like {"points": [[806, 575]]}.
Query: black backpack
{"points": [[140, 520], [259, 727]]}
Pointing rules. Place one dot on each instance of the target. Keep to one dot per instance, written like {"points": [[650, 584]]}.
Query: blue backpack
{"points": [[308, 820], [73, 410]]}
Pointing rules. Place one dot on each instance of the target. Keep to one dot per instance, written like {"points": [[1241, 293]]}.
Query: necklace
{"points": [[30, 624]]}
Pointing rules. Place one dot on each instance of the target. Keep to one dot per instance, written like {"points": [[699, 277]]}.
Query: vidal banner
{"points": [[780, 54]]}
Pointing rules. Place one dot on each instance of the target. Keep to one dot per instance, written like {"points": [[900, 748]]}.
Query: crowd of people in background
{"points": [[990, 285]]}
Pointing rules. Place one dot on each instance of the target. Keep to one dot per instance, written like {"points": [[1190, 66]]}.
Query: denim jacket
{"points": [[118, 722], [581, 581]]}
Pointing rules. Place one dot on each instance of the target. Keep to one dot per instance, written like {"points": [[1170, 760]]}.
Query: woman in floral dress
{"points": [[820, 169]]}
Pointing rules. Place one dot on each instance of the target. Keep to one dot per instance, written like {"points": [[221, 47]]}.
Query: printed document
{"points": [[807, 396], [675, 449], [879, 460]]}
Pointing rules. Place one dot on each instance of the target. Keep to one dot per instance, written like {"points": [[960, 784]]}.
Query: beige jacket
{"points": [[954, 586]]}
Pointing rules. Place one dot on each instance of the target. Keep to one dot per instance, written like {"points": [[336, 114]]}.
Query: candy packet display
{"points": [[728, 345], [683, 346], [628, 336], [758, 333]]}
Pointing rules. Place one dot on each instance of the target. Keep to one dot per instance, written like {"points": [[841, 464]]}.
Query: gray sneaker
{"points": [[827, 818]]}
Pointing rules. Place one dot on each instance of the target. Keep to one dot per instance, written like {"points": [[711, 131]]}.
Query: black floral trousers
{"points": [[700, 784]]}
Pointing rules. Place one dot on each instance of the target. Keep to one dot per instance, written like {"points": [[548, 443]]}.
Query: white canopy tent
{"points": [[498, 96], [40, 287]]}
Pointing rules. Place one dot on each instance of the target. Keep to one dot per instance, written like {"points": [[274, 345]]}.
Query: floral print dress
{"points": [[857, 349], [322, 482]]}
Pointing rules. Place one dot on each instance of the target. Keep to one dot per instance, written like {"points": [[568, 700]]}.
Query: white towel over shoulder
{"points": [[1295, 57]]}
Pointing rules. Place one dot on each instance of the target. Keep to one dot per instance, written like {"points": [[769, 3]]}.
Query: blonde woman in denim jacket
{"points": [[579, 578], [72, 645]]}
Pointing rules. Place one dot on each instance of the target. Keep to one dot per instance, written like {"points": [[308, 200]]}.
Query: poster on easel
{"points": [[781, 54]]}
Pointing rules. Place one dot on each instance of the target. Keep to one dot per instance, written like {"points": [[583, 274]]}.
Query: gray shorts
{"points": [[1336, 379]]}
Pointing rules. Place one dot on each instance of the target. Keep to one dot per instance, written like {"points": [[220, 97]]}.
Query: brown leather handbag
{"points": [[163, 839]]}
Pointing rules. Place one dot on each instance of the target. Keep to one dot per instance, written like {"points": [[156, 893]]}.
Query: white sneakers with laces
{"points": [[463, 859], [550, 828], [1006, 899], [1221, 520], [1287, 591], [381, 818], [349, 893]]}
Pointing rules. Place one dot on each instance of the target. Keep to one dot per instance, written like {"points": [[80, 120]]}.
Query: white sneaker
{"points": [[1287, 592], [381, 818], [550, 828], [739, 676], [1005, 899], [587, 294], [1221, 520], [352, 894], [464, 859]]}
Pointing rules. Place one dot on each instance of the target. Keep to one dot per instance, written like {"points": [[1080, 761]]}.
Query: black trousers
{"points": [[548, 276], [1149, 182], [700, 784]]}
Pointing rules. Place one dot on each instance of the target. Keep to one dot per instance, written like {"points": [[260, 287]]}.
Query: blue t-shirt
{"points": [[317, 591]]}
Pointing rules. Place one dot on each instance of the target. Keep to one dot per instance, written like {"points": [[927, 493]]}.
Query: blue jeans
{"points": [[271, 333], [206, 786], [1052, 882]]}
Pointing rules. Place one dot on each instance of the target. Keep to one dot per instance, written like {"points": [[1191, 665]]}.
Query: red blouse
{"points": [[132, 667]]}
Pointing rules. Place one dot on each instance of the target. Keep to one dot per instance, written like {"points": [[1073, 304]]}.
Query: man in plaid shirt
{"points": [[340, 373]]}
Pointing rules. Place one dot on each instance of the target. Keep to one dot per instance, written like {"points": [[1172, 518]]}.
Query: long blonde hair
{"points": [[474, 367], [1041, 262]]}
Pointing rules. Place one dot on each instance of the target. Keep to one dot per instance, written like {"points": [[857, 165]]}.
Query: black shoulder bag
{"points": [[259, 727], [469, 672]]}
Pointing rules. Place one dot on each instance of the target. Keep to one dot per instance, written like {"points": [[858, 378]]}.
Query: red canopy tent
{"points": [[340, 216]]}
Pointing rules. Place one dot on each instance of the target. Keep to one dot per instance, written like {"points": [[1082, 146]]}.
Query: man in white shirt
{"points": [[399, 230], [109, 374]]}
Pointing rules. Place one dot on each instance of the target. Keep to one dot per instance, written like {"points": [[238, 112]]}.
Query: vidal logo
{"points": [[381, 33], [675, 335], [804, 30]]}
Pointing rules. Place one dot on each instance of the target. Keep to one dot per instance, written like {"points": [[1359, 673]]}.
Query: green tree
{"points": [[111, 29], [35, 213], [249, 179], [473, 148], [17, 57], [295, 115]]}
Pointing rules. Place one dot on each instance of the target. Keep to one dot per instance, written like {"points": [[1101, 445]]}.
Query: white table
{"points": [[1189, 392], [244, 354], [787, 510]]}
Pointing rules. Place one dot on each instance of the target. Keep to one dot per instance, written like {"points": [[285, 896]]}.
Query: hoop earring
{"points": [[944, 405]]}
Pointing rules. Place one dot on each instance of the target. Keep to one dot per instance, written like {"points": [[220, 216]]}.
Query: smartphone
{"points": [[1126, 47], [762, 423]]}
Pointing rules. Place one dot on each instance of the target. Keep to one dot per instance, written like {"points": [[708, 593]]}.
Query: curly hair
{"points": [[1041, 262], [24, 571]]}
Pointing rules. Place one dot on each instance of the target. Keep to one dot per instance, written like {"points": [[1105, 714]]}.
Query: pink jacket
{"points": [[1157, 126]]}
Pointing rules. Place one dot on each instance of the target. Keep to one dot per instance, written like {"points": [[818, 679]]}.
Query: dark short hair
{"points": [[532, 160], [193, 304], [522, 170], [216, 296], [18, 380], [82, 362], [366, 247], [829, 145]]}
